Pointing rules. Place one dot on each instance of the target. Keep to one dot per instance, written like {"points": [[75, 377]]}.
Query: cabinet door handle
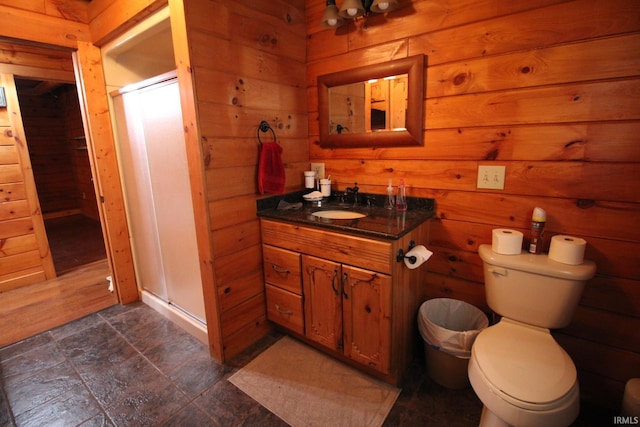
{"points": [[345, 280], [333, 282], [280, 270], [281, 311]]}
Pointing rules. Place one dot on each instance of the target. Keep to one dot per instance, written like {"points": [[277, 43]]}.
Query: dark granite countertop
{"points": [[379, 223]]}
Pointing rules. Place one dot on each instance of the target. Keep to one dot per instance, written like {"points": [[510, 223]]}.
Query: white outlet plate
{"points": [[319, 168], [491, 177]]}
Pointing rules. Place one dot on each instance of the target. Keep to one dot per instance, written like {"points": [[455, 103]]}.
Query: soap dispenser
{"points": [[388, 204], [401, 197]]}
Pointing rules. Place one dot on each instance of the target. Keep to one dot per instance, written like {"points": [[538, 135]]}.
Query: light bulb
{"points": [[352, 11], [383, 5], [332, 22]]}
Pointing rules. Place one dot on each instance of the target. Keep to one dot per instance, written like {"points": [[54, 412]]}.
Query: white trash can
{"points": [[448, 328]]}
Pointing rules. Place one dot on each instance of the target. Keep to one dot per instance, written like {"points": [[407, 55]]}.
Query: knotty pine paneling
{"points": [[19, 244], [111, 17], [612, 142], [33, 56], [552, 65], [237, 291], [608, 100], [73, 10], [23, 259], [549, 89], [39, 26], [13, 210], [262, 77], [50, 152], [85, 192]]}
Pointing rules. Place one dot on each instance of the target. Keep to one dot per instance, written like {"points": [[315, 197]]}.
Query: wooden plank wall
{"points": [[24, 251], [84, 189], [52, 22], [50, 152], [551, 90], [248, 67]]}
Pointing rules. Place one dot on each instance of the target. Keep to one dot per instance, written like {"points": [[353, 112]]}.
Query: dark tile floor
{"points": [[129, 366]]}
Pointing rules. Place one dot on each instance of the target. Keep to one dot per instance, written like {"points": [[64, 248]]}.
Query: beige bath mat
{"points": [[306, 388]]}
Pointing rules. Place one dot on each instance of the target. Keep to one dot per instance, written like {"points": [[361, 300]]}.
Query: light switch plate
{"points": [[319, 168], [491, 177]]}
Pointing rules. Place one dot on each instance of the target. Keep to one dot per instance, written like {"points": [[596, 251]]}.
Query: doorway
{"points": [[62, 172]]}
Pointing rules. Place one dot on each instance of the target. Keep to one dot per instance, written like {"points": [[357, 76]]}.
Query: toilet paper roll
{"points": [[506, 242], [420, 253], [567, 249]]}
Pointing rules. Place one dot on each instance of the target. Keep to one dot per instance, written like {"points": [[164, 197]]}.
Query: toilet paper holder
{"points": [[400, 255]]}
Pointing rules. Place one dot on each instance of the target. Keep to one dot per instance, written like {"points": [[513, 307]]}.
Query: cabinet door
{"points": [[322, 301], [367, 317]]}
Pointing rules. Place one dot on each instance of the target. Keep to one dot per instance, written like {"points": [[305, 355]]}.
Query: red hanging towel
{"points": [[271, 175]]}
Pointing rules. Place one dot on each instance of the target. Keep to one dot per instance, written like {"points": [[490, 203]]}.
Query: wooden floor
{"points": [[39, 307], [81, 287], [75, 240]]}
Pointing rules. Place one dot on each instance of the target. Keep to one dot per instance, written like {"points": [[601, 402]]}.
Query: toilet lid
{"points": [[524, 362]]}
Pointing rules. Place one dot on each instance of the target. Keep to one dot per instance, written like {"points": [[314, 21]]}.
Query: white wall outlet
{"points": [[319, 168], [491, 177]]}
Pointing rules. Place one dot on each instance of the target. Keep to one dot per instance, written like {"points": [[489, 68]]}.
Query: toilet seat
{"points": [[525, 366]]}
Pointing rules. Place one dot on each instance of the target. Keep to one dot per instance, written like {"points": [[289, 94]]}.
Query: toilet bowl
{"points": [[520, 373], [523, 377]]}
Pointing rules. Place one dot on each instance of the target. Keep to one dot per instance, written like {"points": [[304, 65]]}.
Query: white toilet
{"points": [[520, 373]]}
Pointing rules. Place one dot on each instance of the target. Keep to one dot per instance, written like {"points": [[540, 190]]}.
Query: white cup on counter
{"points": [[325, 187], [309, 179]]}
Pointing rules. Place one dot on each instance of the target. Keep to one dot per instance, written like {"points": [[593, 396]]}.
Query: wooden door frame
{"points": [[102, 160], [96, 117]]}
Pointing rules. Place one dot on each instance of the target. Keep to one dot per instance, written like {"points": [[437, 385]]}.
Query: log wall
{"points": [[24, 250], [84, 190], [58, 150], [248, 67], [551, 90]]}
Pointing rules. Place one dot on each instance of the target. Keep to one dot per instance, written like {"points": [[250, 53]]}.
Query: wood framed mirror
{"points": [[378, 105]]}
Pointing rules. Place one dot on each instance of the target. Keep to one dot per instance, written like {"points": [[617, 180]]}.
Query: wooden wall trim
{"points": [[110, 18], [188, 100], [38, 73], [102, 154]]}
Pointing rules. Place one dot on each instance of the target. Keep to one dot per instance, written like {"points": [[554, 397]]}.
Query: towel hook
{"points": [[265, 127]]}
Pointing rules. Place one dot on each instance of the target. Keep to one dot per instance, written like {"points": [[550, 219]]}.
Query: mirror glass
{"points": [[372, 106], [377, 105]]}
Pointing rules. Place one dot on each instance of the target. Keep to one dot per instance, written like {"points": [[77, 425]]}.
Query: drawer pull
{"points": [[281, 311], [280, 270]]}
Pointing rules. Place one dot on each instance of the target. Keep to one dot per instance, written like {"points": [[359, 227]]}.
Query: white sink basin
{"points": [[339, 214]]}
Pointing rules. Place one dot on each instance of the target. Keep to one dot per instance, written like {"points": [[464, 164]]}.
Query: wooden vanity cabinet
{"points": [[348, 309], [356, 302], [283, 287]]}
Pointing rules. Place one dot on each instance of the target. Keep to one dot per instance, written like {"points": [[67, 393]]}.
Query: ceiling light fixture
{"points": [[351, 9]]}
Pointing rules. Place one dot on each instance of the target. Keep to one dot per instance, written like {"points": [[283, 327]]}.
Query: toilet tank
{"points": [[533, 289]]}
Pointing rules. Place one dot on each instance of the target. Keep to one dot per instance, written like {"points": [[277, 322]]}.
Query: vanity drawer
{"points": [[285, 308], [282, 268]]}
